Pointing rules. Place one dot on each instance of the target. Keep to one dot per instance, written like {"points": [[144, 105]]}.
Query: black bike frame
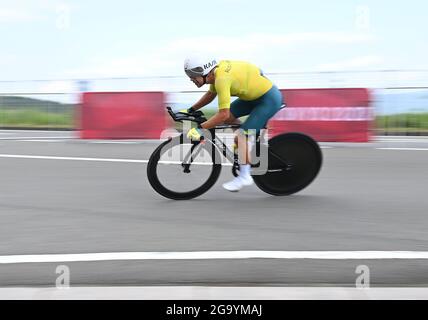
{"points": [[218, 143], [225, 151]]}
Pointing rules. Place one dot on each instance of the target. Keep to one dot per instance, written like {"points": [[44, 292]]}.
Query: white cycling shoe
{"points": [[237, 183]]}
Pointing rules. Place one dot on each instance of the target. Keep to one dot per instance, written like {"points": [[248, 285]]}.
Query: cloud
{"points": [[7, 59], [19, 11], [351, 64], [254, 46], [167, 58], [60, 86], [17, 15]]}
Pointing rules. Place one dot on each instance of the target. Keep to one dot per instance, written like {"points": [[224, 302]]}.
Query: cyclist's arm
{"points": [[220, 117], [222, 86], [205, 99]]}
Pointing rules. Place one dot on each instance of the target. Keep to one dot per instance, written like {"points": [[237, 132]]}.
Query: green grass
{"points": [[416, 121], [31, 118], [404, 123], [411, 123], [406, 120]]}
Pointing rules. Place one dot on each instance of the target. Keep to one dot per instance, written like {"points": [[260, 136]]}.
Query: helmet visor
{"points": [[194, 72]]}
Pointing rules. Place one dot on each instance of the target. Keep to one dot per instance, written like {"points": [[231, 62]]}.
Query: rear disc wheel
{"points": [[303, 160]]}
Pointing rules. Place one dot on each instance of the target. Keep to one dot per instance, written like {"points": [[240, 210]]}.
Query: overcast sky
{"points": [[49, 39]]}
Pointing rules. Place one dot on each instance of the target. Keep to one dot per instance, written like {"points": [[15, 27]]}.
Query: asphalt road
{"points": [[364, 199]]}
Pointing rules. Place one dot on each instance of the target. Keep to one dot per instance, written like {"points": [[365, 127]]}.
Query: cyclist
{"points": [[257, 96]]}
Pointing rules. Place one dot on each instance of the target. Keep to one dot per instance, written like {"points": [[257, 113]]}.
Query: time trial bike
{"points": [[182, 169]]}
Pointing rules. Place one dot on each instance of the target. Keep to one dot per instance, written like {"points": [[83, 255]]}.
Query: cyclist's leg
{"points": [[238, 108], [264, 108], [260, 111]]}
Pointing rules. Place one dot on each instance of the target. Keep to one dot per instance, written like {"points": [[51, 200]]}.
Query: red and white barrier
{"points": [[341, 115], [122, 115]]}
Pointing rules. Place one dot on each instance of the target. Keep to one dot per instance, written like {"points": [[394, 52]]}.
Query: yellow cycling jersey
{"points": [[240, 79]]}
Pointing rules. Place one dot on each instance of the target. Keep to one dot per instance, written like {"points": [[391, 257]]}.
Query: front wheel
{"points": [[180, 171], [294, 161]]}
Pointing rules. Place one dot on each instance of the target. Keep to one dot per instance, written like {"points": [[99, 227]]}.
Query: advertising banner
{"points": [[329, 115], [122, 115]]}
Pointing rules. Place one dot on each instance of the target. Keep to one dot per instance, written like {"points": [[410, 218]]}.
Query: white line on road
{"points": [[118, 142], [24, 156], [212, 293], [38, 137], [37, 131], [213, 255], [48, 139], [403, 140], [404, 149], [40, 140]]}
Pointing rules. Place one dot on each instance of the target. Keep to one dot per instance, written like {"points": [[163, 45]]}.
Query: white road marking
{"points": [[402, 140], [24, 156], [404, 149], [37, 131], [116, 142], [41, 140], [147, 141], [48, 139], [38, 137], [214, 255], [399, 138], [212, 293]]}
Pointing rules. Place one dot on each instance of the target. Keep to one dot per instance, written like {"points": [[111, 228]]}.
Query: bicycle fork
{"points": [[188, 159]]}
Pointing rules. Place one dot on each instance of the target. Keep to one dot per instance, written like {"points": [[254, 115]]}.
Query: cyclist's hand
{"points": [[194, 134], [189, 110]]}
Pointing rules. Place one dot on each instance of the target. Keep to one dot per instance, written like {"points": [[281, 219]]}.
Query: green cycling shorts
{"points": [[259, 110]]}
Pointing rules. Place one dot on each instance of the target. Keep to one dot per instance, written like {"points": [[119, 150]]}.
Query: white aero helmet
{"points": [[197, 67]]}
